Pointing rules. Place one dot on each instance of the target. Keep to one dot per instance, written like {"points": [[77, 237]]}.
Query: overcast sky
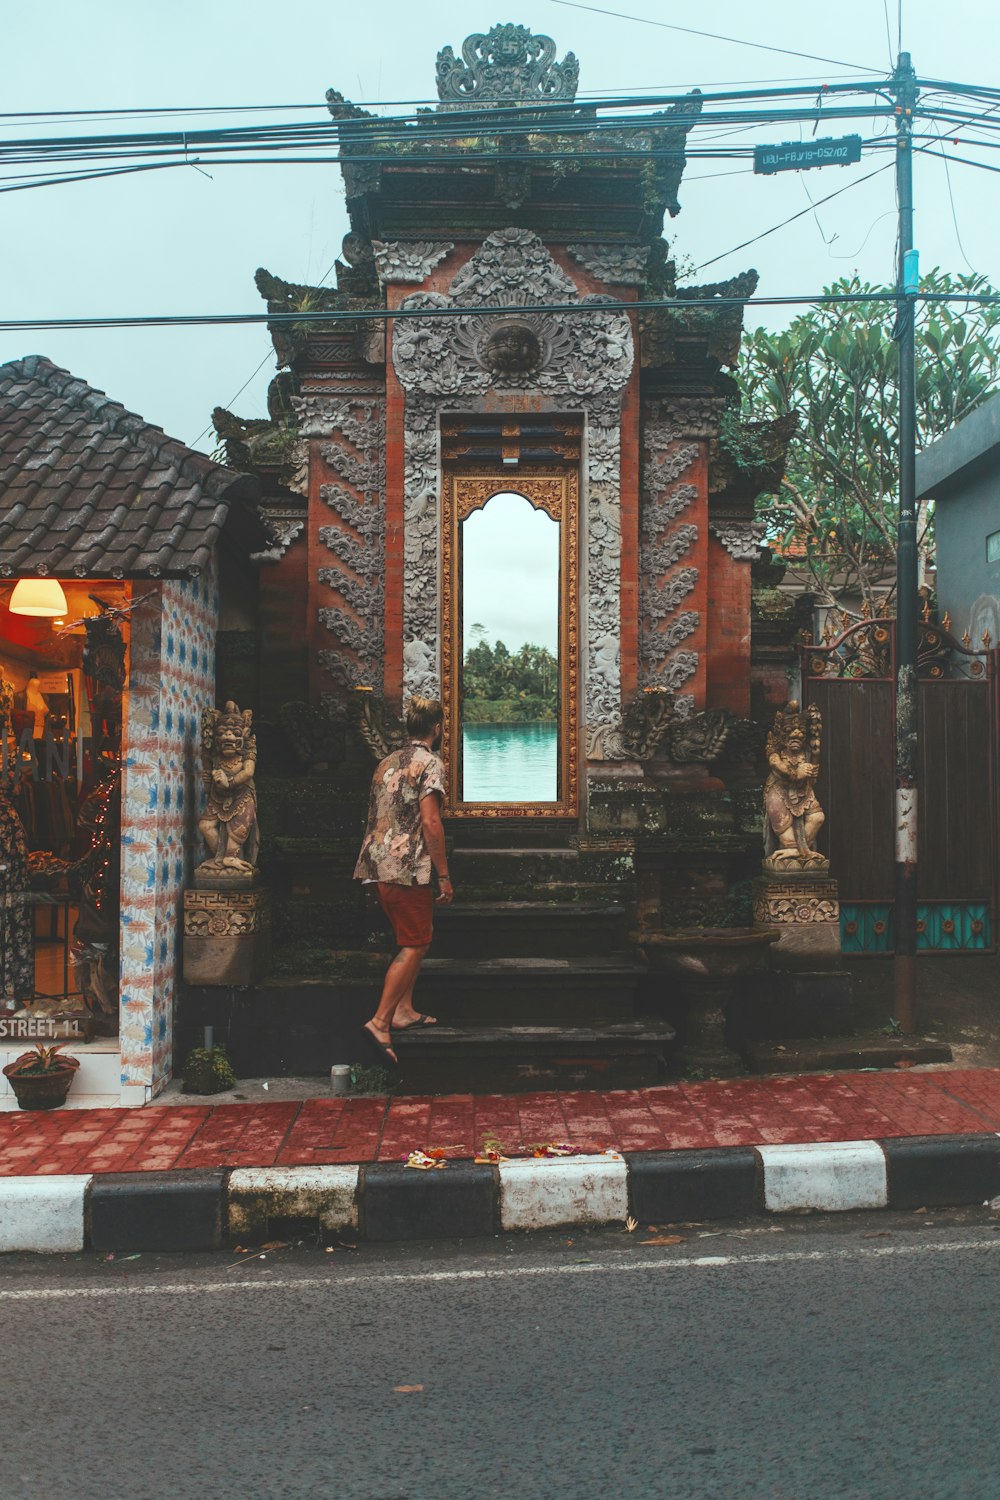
{"points": [[179, 241], [508, 539]]}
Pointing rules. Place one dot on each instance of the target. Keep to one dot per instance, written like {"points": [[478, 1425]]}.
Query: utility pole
{"points": [[904, 86]]}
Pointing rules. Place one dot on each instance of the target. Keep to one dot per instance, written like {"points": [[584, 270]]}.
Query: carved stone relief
{"points": [[505, 65], [355, 575], [655, 721], [421, 542], [513, 269], [741, 539], [284, 527], [585, 361], [665, 541], [621, 265], [399, 260], [225, 913], [795, 901]]}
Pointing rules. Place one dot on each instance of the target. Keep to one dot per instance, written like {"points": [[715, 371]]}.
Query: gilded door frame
{"points": [[557, 493]]}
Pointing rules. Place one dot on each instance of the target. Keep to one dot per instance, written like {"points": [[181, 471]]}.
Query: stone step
{"points": [[519, 1059], [543, 929], [530, 991], [552, 874]]}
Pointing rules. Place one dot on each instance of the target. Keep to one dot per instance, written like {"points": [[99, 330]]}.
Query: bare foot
{"points": [[413, 1019]]}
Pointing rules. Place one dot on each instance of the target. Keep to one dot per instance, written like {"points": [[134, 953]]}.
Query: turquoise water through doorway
{"points": [[510, 763]]}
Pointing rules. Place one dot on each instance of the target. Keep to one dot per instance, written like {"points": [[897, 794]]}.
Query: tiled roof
{"points": [[88, 489]]}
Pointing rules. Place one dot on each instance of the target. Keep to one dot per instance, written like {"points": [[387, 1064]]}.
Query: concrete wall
{"points": [[961, 473], [968, 586]]}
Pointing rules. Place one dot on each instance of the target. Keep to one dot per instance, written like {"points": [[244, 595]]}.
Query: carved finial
{"points": [[507, 65], [845, 620], [866, 610], [925, 613], [987, 640], [966, 639], [828, 630], [946, 622]]}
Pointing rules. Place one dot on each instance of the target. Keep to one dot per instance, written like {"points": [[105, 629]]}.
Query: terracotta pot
{"points": [[42, 1090]]}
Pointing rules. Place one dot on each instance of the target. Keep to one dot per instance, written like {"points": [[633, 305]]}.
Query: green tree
{"points": [[501, 687], [836, 367]]}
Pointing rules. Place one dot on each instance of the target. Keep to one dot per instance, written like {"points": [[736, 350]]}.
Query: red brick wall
{"points": [[283, 593], [728, 645]]}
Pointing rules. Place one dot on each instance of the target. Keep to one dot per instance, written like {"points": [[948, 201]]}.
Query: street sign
{"points": [[798, 156]]}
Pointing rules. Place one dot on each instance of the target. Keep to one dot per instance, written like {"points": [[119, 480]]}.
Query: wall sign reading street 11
{"points": [[798, 156]]}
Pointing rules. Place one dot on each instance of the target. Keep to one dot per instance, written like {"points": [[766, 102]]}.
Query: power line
{"points": [[374, 132], [165, 111], [965, 161], [954, 216], [792, 217], [888, 34], [713, 36], [195, 148], [594, 98], [387, 315], [253, 375]]}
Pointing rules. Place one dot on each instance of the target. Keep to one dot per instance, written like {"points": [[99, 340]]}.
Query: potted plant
{"points": [[208, 1071], [40, 1078]]}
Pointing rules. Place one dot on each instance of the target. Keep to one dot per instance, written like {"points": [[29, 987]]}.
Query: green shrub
{"points": [[208, 1071]]}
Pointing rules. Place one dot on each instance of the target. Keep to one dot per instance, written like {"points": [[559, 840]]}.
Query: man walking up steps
{"points": [[403, 846]]}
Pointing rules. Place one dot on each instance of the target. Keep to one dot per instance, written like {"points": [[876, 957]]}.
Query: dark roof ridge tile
{"points": [[67, 452]]}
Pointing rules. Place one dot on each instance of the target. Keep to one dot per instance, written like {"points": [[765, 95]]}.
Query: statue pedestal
{"points": [[227, 935], [805, 908]]}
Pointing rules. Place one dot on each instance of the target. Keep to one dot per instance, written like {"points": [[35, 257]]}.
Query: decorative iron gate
{"points": [[851, 678]]}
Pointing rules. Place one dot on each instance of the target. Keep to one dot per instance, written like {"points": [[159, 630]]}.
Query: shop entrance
{"points": [[62, 680]]}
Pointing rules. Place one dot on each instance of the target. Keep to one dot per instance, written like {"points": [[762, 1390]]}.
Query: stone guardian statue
{"points": [[793, 816], [229, 822]]}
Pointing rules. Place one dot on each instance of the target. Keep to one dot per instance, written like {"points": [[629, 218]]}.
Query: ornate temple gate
{"points": [[536, 457], [852, 680]]}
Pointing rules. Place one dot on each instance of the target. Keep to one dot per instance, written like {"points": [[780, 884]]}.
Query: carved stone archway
{"points": [[574, 362]]}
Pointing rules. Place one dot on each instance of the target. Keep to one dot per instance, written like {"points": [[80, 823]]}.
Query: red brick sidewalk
{"points": [[739, 1112]]}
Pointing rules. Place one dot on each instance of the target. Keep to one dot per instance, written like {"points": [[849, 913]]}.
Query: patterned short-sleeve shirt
{"points": [[394, 850]]}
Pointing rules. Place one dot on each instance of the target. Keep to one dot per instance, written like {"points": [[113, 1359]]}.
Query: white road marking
{"points": [[505, 1273]]}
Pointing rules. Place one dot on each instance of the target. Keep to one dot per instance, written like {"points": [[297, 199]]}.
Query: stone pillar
{"points": [[806, 910], [227, 936]]}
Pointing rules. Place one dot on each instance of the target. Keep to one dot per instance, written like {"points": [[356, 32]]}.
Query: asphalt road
{"points": [[798, 1360]]}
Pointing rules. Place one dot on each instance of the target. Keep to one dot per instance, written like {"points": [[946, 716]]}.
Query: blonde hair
{"points": [[423, 716]]}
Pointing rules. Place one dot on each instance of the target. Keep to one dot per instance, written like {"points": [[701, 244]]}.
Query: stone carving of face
{"points": [[229, 738], [512, 349], [796, 742]]}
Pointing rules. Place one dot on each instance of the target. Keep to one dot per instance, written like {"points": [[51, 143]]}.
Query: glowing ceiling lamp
{"points": [[41, 597]]}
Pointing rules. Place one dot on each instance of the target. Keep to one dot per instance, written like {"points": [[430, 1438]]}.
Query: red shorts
{"points": [[410, 909]]}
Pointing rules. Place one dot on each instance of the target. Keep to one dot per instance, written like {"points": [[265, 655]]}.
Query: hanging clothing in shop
{"points": [[96, 936], [36, 703], [17, 956], [47, 813]]}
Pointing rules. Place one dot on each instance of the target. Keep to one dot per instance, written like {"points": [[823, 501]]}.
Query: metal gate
{"points": [[851, 678]]}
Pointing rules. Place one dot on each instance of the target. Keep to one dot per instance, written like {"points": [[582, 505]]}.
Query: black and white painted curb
{"points": [[206, 1210]]}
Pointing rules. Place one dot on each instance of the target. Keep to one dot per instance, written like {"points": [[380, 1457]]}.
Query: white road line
{"points": [[506, 1273]]}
